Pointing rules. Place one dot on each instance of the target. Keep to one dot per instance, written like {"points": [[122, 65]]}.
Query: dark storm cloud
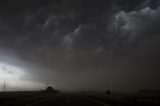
{"points": [[40, 25], [64, 37], [32, 27]]}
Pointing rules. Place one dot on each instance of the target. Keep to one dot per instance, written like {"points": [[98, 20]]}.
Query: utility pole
{"points": [[111, 86], [47, 84], [4, 86]]}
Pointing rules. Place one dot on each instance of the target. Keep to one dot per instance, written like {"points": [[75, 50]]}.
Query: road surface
{"points": [[67, 99]]}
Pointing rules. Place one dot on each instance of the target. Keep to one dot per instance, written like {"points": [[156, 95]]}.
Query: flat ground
{"points": [[77, 99]]}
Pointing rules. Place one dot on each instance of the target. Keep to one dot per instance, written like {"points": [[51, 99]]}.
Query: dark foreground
{"points": [[75, 99], [65, 99]]}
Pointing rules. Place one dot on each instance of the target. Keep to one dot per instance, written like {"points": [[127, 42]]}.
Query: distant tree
{"points": [[108, 92]]}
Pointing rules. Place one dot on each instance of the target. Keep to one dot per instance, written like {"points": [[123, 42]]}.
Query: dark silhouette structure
{"points": [[50, 89], [108, 92]]}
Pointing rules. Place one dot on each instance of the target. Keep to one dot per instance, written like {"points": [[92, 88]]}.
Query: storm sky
{"points": [[80, 44]]}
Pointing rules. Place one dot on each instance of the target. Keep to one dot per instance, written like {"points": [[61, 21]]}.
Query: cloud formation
{"points": [[68, 38]]}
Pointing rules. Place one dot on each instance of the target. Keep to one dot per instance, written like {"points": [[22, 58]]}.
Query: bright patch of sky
{"points": [[12, 75]]}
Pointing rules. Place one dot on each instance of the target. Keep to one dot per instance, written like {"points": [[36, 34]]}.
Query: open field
{"points": [[41, 98], [22, 98], [127, 99]]}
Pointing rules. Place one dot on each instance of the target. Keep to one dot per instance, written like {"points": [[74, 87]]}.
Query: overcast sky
{"points": [[80, 44]]}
